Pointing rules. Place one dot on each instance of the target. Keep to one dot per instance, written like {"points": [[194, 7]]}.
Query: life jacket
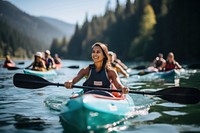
{"points": [[38, 64], [170, 66], [97, 79], [49, 63]]}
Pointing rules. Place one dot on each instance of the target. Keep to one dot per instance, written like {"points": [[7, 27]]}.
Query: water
{"points": [[30, 111]]}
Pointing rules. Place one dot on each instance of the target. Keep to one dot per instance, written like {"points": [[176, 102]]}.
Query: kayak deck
{"points": [[40, 73]]}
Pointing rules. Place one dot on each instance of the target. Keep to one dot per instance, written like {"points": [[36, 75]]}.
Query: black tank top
{"points": [[97, 79], [158, 63]]}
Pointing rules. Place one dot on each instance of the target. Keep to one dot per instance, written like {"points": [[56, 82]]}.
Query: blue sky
{"points": [[71, 11]]}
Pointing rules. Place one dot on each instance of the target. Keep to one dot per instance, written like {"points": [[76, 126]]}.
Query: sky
{"points": [[71, 11]]}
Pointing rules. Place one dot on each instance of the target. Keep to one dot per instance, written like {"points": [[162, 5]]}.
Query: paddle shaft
{"points": [[185, 95]]}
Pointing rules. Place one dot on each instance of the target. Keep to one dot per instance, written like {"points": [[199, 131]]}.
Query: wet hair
{"points": [[104, 49]]}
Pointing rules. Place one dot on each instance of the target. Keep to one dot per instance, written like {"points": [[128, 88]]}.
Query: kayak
{"points": [[58, 66], [9, 65], [172, 74], [92, 111], [40, 73]]}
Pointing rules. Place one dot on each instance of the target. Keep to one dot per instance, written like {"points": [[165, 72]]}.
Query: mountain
{"points": [[28, 25], [66, 28]]}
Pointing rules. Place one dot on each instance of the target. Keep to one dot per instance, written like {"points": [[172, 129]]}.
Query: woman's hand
{"points": [[69, 84], [125, 90]]}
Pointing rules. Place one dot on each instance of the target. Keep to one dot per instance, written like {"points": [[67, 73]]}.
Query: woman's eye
{"points": [[98, 52]]}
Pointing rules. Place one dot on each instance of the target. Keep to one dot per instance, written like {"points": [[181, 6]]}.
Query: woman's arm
{"points": [[112, 74], [122, 71], [83, 72]]}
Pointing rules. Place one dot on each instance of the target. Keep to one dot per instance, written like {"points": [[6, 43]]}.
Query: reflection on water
{"points": [[26, 110]]}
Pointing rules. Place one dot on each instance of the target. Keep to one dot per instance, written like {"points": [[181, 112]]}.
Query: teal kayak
{"points": [[40, 73], [93, 111], [172, 74]]}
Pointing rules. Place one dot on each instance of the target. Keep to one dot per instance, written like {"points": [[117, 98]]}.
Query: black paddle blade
{"points": [[182, 95], [20, 63], [73, 67], [13, 68], [29, 81]]}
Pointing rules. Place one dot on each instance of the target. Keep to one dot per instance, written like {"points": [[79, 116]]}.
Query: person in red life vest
{"points": [[100, 73], [38, 64], [49, 61], [8, 62], [171, 64]]}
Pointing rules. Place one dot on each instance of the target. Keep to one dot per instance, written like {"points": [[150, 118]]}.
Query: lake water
{"points": [[30, 111]]}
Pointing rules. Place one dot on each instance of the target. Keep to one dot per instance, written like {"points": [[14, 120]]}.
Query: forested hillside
{"points": [[16, 44], [139, 30], [21, 34]]}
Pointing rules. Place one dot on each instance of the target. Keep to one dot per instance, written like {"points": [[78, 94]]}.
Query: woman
{"points": [[171, 64], [100, 73], [8, 62], [116, 66], [38, 64]]}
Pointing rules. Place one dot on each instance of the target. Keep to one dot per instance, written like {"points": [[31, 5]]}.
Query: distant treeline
{"points": [[139, 30], [15, 43]]}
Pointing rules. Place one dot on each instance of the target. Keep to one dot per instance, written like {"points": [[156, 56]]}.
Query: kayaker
{"points": [[115, 65], [49, 61], [38, 64], [157, 64], [57, 59], [118, 61], [171, 64], [100, 73], [8, 62]]}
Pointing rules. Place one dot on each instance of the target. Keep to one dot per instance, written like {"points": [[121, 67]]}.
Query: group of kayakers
{"points": [[160, 64], [103, 72], [44, 63]]}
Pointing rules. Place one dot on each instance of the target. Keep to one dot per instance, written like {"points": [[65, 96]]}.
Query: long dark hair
{"points": [[104, 49]]}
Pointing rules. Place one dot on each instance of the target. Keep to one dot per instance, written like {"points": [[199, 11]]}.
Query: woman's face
{"points": [[97, 54], [170, 57], [37, 59]]}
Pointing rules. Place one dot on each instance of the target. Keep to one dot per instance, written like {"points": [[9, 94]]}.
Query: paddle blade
{"points": [[29, 81], [182, 95], [13, 68], [20, 63], [73, 67]]}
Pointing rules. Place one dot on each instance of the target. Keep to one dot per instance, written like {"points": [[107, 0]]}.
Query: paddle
{"points": [[72, 67], [138, 67], [13, 68], [20, 63], [141, 73], [183, 95]]}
